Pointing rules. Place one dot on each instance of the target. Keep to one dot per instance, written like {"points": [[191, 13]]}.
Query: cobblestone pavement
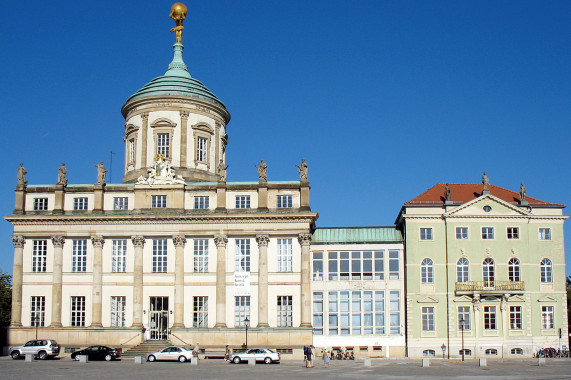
{"points": [[218, 369]]}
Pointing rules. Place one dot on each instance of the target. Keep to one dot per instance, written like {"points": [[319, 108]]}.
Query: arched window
{"points": [[546, 270], [491, 351], [467, 352], [428, 353], [427, 271], [488, 271], [462, 270], [513, 270], [517, 351]]}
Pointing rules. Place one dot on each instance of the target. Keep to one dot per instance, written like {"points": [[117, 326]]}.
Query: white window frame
{"points": [[78, 311], [120, 203], [395, 308], [242, 201], [163, 144], [37, 311], [158, 201], [490, 320], [80, 203], [426, 233], [200, 254], [544, 233], [514, 270], [131, 150], [428, 323], [427, 271], [118, 311], [462, 233], [546, 267], [285, 311], [394, 265], [317, 266], [39, 256], [487, 233], [516, 318], [160, 255], [463, 270], [285, 255], [318, 314], [40, 204], [202, 149], [285, 201], [464, 313], [547, 317], [241, 310], [79, 255], [201, 202], [200, 312], [119, 256], [512, 233], [243, 255], [488, 271]]}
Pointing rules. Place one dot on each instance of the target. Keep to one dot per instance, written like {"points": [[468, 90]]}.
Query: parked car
{"points": [[171, 353], [260, 354], [42, 348], [97, 353]]}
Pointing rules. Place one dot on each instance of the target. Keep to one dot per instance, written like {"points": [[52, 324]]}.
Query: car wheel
{"points": [[236, 360], [268, 360], [42, 355], [108, 358], [15, 355], [181, 359], [151, 358]]}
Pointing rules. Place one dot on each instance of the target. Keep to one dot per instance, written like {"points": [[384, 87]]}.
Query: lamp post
{"points": [[36, 320], [443, 350], [462, 327], [246, 323]]}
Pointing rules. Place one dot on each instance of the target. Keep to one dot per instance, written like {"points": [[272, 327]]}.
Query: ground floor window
{"points": [[78, 311], [200, 312], [517, 351], [38, 311], [427, 319], [490, 317], [515, 317], [285, 311], [241, 311], [467, 352], [118, 305], [428, 353], [491, 351], [547, 317], [318, 313]]}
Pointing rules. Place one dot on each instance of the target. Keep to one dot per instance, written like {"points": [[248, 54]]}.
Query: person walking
{"points": [[326, 358], [196, 350], [227, 353], [310, 355]]}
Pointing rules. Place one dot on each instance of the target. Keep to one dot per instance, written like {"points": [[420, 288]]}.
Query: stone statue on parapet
{"points": [[485, 181], [178, 14], [447, 193], [522, 192], [61, 178], [22, 175], [302, 170], [262, 171], [101, 173], [222, 171], [161, 173]]}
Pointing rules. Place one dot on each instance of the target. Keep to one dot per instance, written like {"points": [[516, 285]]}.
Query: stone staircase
{"points": [[144, 348]]}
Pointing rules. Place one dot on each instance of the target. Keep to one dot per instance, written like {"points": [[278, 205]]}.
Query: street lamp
{"points": [[246, 323], [462, 327], [35, 320], [443, 350]]}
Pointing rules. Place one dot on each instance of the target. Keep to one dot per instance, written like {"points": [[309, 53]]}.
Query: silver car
{"points": [[170, 353], [260, 354], [41, 348]]}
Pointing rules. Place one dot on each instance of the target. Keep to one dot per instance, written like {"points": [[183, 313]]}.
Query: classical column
{"points": [[179, 242], [57, 241], [144, 127], [183, 138], [305, 241], [263, 241], [97, 242], [220, 241], [138, 243], [19, 242]]}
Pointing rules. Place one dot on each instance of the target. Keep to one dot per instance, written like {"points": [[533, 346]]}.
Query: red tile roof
{"points": [[465, 192]]}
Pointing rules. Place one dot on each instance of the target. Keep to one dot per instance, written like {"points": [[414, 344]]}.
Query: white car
{"points": [[41, 348], [170, 353], [260, 354]]}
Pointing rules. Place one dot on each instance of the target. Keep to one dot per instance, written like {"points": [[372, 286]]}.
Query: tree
{"points": [[5, 299]]}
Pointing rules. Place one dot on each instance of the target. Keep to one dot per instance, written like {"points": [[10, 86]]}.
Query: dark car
{"points": [[97, 353]]}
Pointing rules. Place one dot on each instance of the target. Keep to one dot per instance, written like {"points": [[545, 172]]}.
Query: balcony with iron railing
{"points": [[489, 287]]}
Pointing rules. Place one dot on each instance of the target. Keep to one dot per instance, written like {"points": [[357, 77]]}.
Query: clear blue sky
{"points": [[383, 99]]}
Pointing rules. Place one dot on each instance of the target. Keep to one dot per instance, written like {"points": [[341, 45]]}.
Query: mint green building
{"points": [[485, 272]]}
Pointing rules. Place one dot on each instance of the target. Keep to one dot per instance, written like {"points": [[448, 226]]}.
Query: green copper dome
{"points": [[176, 81]]}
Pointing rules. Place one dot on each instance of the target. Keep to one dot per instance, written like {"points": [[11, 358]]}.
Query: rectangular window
{"points": [[395, 312], [158, 201], [356, 313], [201, 149], [119, 256], [487, 233], [464, 317], [545, 234], [120, 203], [78, 311], [200, 255], [241, 311], [344, 314], [489, 317], [285, 311], [355, 265], [426, 234], [163, 144], [318, 313], [380, 312], [513, 233], [38, 311], [428, 319], [200, 312], [118, 306], [379, 265], [393, 265], [79, 256], [201, 202], [285, 201], [515, 318], [80, 203], [242, 201], [343, 265], [333, 268], [333, 314], [40, 204], [461, 233], [284, 255], [242, 261], [39, 255], [317, 266], [131, 150], [368, 321], [159, 256], [547, 317]]}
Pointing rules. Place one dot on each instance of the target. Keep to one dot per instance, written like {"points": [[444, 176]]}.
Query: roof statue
{"points": [[162, 173], [178, 14], [522, 192], [22, 181], [61, 178], [485, 181], [101, 173], [222, 171], [302, 170], [263, 171], [447, 192]]}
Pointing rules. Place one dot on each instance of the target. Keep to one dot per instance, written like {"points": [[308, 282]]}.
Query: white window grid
{"points": [[285, 311], [547, 322], [318, 313], [201, 255], [487, 233], [242, 201], [545, 266], [394, 268], [201, 202], [545, 234], [39, 255], [461, 233], [285, 247], [463, 270], [464, 314], [160, 255], [163, 144], [427, 271], [120, 203], [356, 265], [513, 233], [241, 310], [158, 201], [79, 256], [119, 256], [490, 318], [40, 204], [242, 260], [395, 311], [201, 149], [352, 313], [118, 308], [80, 203], [285, 201], [200, 311], [515, 318], [514, 270], [78, 311], [488, 271], [37, 311], [428, 318], [131, 150], [426, 234], [317, 265]]}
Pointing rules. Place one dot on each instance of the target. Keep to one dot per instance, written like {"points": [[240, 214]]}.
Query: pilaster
{"points": [[97, 242], [183, 138], [221, 241], [58, 242], [138, 243], [305, 241], [17, 276], [144, 132], [179, 243], [263, 241]]}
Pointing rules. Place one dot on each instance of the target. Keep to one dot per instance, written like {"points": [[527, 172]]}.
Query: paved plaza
{"points": [[218, 369]]}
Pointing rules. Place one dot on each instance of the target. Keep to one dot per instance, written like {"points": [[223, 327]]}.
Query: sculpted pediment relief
{"points": [[496, 206], [547, 299], [427, 299]]}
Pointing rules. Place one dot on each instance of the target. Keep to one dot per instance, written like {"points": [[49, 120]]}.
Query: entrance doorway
{"points": [[159, 318]]}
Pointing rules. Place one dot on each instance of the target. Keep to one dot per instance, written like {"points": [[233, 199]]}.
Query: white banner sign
{"points": [[241, 283]]}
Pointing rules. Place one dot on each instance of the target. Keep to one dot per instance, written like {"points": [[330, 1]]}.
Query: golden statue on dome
{"points": [[178, 14]]}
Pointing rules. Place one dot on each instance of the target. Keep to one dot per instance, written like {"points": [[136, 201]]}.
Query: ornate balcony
{"points": [[490, 287]]}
